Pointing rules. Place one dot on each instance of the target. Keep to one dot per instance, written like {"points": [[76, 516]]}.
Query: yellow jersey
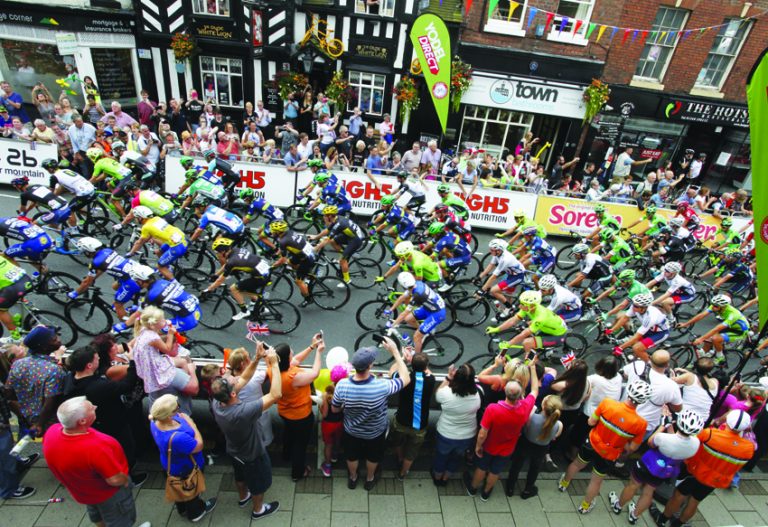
{"points": [[161, 231]]}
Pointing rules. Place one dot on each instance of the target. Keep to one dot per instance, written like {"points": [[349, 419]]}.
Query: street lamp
{"points": [[307, 59]]}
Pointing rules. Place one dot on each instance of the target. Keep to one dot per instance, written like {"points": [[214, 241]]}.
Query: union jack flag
{"points": [[566, 360], [255, 329]]}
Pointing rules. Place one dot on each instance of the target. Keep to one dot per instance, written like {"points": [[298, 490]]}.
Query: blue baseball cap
{"points": [[39, 337]]}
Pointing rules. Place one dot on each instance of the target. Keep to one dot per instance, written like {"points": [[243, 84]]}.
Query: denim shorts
{"points": [[491, 463], [117, 511]]}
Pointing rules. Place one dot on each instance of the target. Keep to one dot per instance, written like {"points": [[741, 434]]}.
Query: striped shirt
{"points": [[365, 404]]}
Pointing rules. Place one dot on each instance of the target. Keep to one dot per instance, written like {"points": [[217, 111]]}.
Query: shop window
{"points": [[370, 92], [211, 7], [660, 44], [496, 131], [114, 75], [375, 7], [222, 81], [574, 10], [506, 22], [723, 54]]}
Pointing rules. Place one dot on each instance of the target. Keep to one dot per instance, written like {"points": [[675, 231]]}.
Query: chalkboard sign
{"points": [[114, 74], [273, 102]]}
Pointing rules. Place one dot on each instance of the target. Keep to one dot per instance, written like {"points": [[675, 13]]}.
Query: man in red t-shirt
{"points": [[500, 429], [91, 465]]}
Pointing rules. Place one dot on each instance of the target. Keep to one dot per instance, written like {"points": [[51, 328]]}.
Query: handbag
{"points": [[178, 489], [659, 465]]}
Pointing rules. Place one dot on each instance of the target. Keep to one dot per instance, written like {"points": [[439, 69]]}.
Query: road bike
{"points": [[371, 314], [333, 47], [442, 349], [28, 316], [280, 316]]}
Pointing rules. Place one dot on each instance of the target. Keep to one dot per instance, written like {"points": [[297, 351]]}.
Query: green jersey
{"points": [[457, 204], [9, 273], [205, 188], [112, 168], [528, 222], [733, 319], [155, 202], [636, 288], [609, 222], [655, 224], [424, 267], [620, 250], [731, 238], [544, 320]]}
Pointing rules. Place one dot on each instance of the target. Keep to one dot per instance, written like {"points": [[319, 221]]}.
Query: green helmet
{"points": [[322, 177], [727, 223], [209, 153], [627, 275], [436, 227], [190, 174], [387, 200], [246, 193], [730, 252], [186, 161], [607, 234], [314, 163], [650, 210], [443, 188], [599, 209]]}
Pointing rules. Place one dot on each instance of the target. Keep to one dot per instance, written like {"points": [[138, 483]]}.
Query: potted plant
{"points": [[407, 94], [595, 96], [461, 80], [183, 46], [339, 91], [288, 82]]}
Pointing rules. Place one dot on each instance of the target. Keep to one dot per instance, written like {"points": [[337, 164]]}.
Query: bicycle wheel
{"points": [[471, 312], [97, 219], [481, 362], [280, 288], [383, 357], [56, 285], [306, 227], [202, 349], [589, 330], [198, 258], [370, 314], [89, 317], [293, 213], [473, 243], [363, 272], [374, 250], [334, 48], [442, 350], [66, 330], [217, 310], [329, 293], [565, 259], [191, 278], [68, 244], [576, 343], [460, 290], [279, 316], [681, 356]]}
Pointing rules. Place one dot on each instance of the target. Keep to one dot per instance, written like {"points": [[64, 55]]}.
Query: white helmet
{"points": [[721, 300], [580, 248], [639, 391], [142, 212], [141, 272], [689, 422], [406, 280], [643, 300], [677, 222], [673, 267], [118, 144], [88, 244], [403, 249], [548, 281], [498, 245], [738, 420]]}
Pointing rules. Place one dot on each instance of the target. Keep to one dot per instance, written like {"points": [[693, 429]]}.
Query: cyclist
{"points": [[316, 167], [680, 241], [260, 207], [458, 205], [653, 330], [540, 253], [39, 195], [298, 253], [343, 234], [563, 302], [229, 177], [159, 206], [615, 249], [655, 223], [521, 222], [593, 267], [172, 242], [450, 250], [415, 189], [731, 237], [229, 224], [236, 261], [192, 172], [626, 282], [205, 189], [445, 214], [106, 260], [422, 266], [429, 309], [14, 285], [117, 176], [679, 289], [401, 223], [734, 270], [332, 195], [732, 329], [605, 221], [502, 262], [691, 220], [68, 180], [34, 243], [168, 295], [545, 329]]}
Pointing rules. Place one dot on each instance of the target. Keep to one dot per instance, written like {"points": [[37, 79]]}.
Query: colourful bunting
{"points": [[563, 23], [634, 35], [685, 35], [701, 32], [643, 36], [662, 37], [626, 34], [491, 6], [550, 16], [531, 14], [469, 6], [600, 32], [672, 34], [653, 36], [512, 8], [577, 26], [590, 29], [613, 34]]}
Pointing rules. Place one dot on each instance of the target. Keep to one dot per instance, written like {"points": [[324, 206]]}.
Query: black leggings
{"points": [[296, 436], [534, 454]]}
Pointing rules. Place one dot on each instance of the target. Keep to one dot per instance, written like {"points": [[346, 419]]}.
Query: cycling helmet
{"points": [[403, 249], [88, 244], [738, 420], [314, 163], [726, 223], [650, 210], [441, 209], [50, 164], [94, 154], [689, 422], [518, 213], [435, 228], [530, 298], [199, 201], [721, 300], [190, 174], [388, 200], [20, 181], [322, 177], [245, 193], [402, 175], [731, 252], [548, 281], [676, 222], [672, 267], [639, 391], [498, 245], [142, 212], [443, 189], [530, 231], [406, 280], [330, 210], [222, 244], [64, 163], [642, 300], [141, 272], [627, 275], [607, 235], [208, 153], [599, 209], [682, 205], [119, 145], [278, 227], [580, 248], [185, 161]]}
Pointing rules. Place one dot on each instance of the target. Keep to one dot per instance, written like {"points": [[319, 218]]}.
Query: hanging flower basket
{"points": [[595, 96], [183, 46], [339, 91], [461, 80], [288, 82], [407, 94]]}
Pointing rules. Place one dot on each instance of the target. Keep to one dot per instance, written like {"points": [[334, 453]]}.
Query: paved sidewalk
{"points": [[320, 502]]}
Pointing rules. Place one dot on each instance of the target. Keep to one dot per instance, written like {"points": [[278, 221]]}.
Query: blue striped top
{"points": [[365, 404]]}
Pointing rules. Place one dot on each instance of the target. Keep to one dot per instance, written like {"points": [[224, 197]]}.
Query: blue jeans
{"points": [[9, 476], [449, 452]]}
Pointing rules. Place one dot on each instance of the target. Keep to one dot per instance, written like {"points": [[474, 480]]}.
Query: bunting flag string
{"points": [[600, 33], [577, 26], [550, 16], [492, 6], [512, 8], [563, 23], [626, 34], [531, 14]]}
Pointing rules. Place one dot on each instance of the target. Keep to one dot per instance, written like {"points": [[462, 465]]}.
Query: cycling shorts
{"points": [[548, 341], [545, 264], [429, 319], [461, 261], [510, 281], [120, 188], [171, 217], [683, 299], [654, 338], [569, 315], [739, 286], [187, 322], [127, 290], [56, 217], [353, 245], [171, 254], [35, 249], [733, 336], [78, 202], [404, 229], [11, 294], [598, 285], [415, 202], [252, 284]]}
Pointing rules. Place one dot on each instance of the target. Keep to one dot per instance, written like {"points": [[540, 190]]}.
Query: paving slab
{"points": [[228, 512], [714, 511], [760, 505], [151, 506], [427, 519], [280, 519], [386, 511], [345, 500], [312, 509], [527, 512], [747, 518], [420, 496], [349, 519], [67, 512], [21, 514], [733, 500], [496, 519], [459, 511]]}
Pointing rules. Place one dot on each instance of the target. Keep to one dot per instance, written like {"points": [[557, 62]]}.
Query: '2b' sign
{"points": [[19, 158]]}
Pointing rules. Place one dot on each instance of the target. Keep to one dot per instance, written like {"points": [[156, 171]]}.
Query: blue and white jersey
{"points": [[260, 207], [424, 296], [454, 243], [171, 296], [541, 248], [112, 263], [229, 222], [21, 230]]}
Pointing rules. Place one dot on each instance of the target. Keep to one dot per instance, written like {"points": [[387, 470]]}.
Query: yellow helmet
{"points": [[94, 154], [222, 244], [330, 210], [278, 227], [530, 298]]}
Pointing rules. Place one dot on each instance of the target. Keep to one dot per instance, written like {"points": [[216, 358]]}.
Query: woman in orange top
{"points": [[295, 407]]}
